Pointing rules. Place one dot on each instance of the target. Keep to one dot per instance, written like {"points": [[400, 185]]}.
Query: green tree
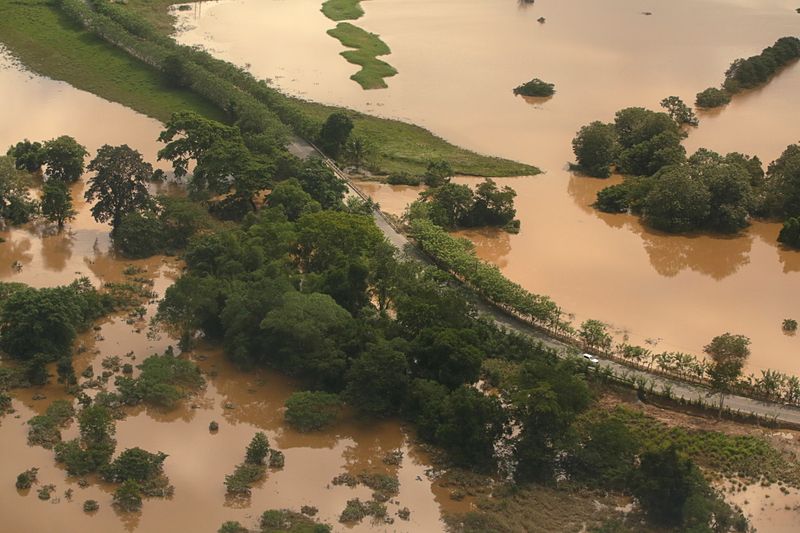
{"points": [[295, 201], [471, 423], [493, 206], [139, 234], [782, 187], [595, 147], [438, 173], [312, 410], [27, 155], [63, 159], [712, 97], [257, 450], [447, 355], [378, 380], [449, 204], [57, 202], [358, 151], [119, 184], [16, 206], [677, 202], [322, 184], [605, 456], [135, 464], [594, 335], [128, 496], [679, 111], [728, 355], [329, 238], [66, 372], [334, 133], [790, 233]]}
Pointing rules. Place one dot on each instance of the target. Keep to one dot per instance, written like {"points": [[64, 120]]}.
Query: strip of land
{"points": [[367, 47], [338, 10]]}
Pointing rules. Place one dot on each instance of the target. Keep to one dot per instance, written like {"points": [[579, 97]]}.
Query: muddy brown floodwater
{"points": [[198, 460], [458, 61]]}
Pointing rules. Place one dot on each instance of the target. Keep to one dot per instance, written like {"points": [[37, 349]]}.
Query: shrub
{"points": [[243, 478], [276, 459], [90, 506], [535, 87], [231, 526], [789, 325], [135, 464], [312, 411], [27, 478], [403, 178], [257, 450], [712, 97], [139, 235], [613, 199], [164, 380], [790, 233], [128, 496]]}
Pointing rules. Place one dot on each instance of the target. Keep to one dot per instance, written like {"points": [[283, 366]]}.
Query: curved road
{"points": [[782, 413]]}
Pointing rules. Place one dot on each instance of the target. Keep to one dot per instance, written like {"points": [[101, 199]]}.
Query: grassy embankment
{"points": [[339, 10], [50, 45], [367, 47], [54, 47]]}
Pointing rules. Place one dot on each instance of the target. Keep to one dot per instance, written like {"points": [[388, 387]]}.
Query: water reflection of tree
{"points": [[491, 244], [371, 442], [14, 252], [717, 256], [57, 250]]}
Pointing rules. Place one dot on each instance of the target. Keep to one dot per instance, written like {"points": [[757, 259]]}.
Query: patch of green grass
{"points": [[156, 12], [342, 9], [50, 45], [367, 47]]}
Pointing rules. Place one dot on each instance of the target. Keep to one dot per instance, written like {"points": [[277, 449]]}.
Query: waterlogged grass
{"points": [[746, 456], [342, 9], [48, 44], [367, 47]]}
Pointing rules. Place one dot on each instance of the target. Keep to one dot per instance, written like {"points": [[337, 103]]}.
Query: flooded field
{"points": [[458, 62], [242, 403]]}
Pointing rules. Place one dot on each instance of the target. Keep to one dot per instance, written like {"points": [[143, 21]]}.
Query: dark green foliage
{"points": [[119, 184], [164, 380], [648, 141], [789, 325], [447, 355], [595, 147], [243, 478], [782, 185], [26, 479], [16, 207], [613, 199], [403, 178], [679, 111], [334, 133], [63, 159], [757, 70], [139, 234], [27, 155], [181, 219], [46, 321], [286, 521], [232, 527], [790, 233], [96, 444], [677, 202], [452, 205], [321, 183], [438, 173], [535, 87], [312, 410], [66, 372], [35, 369], [290, 196], [90, 506], [712, 97], [128, 496], [377, 382], [605, 455], [257, 450], [57, 202], [135, 464]]}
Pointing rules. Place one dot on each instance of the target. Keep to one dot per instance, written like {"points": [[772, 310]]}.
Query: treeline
{"points": [[673, 193], [751, 72]]}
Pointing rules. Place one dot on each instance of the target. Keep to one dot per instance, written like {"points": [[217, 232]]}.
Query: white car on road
{"points": [[592, 359]]}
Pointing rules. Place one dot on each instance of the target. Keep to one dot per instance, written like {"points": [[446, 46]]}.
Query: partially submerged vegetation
{"points": [[535, 87], [751, 72], [338, 10], [367, 48]]}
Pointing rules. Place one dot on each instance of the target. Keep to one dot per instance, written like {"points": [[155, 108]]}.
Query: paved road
{"points": [[680, 389]]}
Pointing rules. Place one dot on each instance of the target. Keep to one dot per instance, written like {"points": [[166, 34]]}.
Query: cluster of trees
{"points": [[751, 72], [138, 472], [452, 206], [673, 193], [638, 142], [257, 456], [535, 87], [60, 161]]}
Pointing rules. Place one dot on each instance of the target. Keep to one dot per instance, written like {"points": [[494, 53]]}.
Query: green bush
{"points": [[535, 87], [257, 450], [135, 464], [312, 411], [712, 97], [139, 235], [27, 478], [243, 478], [128, 496]]}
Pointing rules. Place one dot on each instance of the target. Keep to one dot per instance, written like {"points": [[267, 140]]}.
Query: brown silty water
{"points": [[458, 62], [198, 460]]}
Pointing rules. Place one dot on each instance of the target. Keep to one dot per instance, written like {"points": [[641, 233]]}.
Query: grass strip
{"points": [[339, 10], [367, 47]]}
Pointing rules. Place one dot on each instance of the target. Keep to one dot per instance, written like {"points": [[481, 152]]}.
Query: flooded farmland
{"points": [[457, 64]]}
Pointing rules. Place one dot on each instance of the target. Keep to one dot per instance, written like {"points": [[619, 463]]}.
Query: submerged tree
{"points": [[679, 111], [119, 184], [63, 159], [57, 202]]}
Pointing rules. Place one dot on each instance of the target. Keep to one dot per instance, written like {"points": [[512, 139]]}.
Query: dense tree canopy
{"points": [[63, 159]]}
